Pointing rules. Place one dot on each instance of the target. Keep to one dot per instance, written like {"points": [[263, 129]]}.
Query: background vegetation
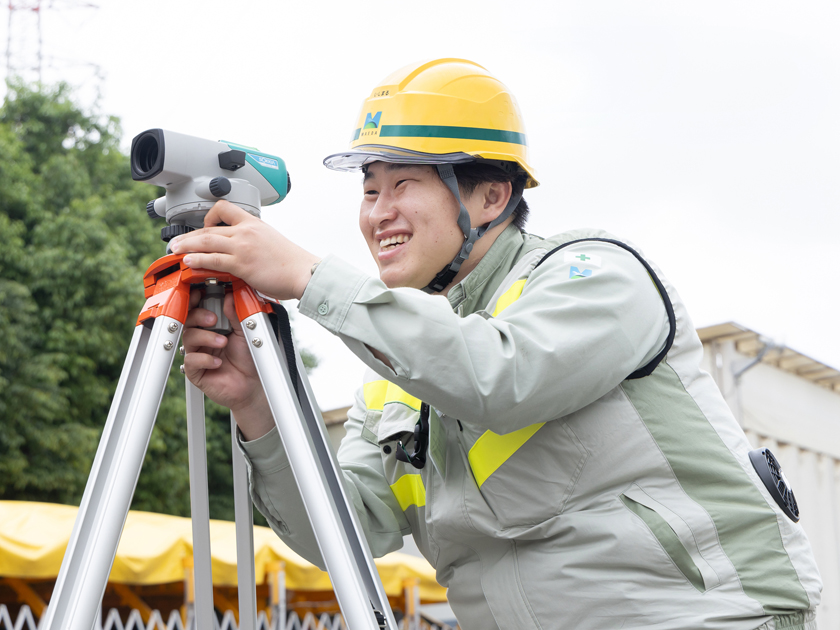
{"points": [[75, 241]]}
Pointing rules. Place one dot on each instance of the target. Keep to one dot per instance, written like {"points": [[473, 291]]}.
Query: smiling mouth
{"points": [[392, 242]]}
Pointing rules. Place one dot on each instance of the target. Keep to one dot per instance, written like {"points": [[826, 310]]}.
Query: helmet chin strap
{"points": [[471, 235]]}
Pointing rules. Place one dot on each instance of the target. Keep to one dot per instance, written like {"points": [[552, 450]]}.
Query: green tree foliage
{"points": [[76, 241]]}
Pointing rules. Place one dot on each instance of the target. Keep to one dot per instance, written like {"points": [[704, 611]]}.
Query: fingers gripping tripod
{"points": [[93, 544]]}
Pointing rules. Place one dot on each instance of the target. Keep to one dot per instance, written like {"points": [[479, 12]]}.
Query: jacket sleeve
{"points": [[563, 344], [276, 495]]}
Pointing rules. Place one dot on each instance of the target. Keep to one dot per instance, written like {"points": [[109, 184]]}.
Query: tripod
{"points": [[93, 544]]}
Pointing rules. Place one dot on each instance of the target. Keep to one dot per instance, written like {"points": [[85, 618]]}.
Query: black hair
{"points": [[472, 174]]}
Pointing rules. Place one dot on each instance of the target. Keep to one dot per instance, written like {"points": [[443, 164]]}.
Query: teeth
{"points": [[394, 240]]}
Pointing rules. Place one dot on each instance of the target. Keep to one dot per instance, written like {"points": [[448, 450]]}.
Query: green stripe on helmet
{"points": [[461, 133]]}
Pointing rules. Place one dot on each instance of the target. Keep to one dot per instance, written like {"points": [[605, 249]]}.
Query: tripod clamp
{"points": [[167, 286]]}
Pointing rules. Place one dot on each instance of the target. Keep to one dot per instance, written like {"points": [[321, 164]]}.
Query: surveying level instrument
{"points": [[195, 174]]}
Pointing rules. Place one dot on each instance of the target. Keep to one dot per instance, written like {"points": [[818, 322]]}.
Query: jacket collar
{"points": [[466, 296]]}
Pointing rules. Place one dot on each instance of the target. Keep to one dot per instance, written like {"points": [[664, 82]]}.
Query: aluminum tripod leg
{"points": [[244, 514], [200, 512], [110, 487], [340, 538], [199, 508], [76, 599]]}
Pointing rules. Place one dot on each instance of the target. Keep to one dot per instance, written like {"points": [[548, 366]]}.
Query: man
{"points": [[572, 467]]}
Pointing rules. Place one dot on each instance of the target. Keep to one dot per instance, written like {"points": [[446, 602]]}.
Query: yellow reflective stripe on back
{"points": [[492, 450], [375, 394], [380, 393], [509, 297], [409, 490]]}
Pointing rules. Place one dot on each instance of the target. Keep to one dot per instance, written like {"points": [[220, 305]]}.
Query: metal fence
{"points": [[112, 621]]}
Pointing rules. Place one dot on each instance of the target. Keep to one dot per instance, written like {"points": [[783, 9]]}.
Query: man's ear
{"points": [[496, 197]]}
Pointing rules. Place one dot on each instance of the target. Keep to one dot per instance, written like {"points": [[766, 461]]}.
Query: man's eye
{"points": [[371, 192], [400, 183]]}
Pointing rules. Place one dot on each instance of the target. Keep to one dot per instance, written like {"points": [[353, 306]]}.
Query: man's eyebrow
{"points": [[396, 166], [391, 167]]}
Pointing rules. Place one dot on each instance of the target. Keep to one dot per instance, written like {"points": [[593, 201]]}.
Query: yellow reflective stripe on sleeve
{"points": [[396, 394], [509, 297], [375, 394], [492, 450], [380, 393], [409, 490]]}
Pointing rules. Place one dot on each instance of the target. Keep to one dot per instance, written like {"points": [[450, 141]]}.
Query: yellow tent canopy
{"points": [[153, 547]]}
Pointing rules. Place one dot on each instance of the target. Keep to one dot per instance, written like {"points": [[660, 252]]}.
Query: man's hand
{"points": [[249, 249], [223, 369]]}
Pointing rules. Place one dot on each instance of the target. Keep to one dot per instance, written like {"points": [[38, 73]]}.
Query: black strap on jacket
{"points": [[647, 369], [421, 441]]}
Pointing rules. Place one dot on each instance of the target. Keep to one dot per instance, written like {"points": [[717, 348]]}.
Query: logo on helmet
{"points": [[371, 126], [372, 122]]}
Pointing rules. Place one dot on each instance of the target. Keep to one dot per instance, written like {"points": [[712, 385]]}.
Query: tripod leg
{"points": [[334, 522], [199, 507], [244, 511], [110, 487]]}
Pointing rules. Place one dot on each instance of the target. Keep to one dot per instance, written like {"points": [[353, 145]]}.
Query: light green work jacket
{"points": [[558, 493]]}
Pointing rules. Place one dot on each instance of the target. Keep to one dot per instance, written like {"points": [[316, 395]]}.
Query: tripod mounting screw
{"points": [[172, 327], [257, 342], [250, 324], [168, 345]]}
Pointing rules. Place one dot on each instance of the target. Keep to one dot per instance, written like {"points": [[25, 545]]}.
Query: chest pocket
{"points": [[527, 476]]}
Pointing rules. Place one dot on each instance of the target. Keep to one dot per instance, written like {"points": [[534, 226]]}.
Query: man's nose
{"points": [[383, 210]]}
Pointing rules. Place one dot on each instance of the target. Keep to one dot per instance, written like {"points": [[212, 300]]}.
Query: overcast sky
{"points": [[706, 132]]}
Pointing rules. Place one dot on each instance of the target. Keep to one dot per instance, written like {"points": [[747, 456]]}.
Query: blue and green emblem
{"points": [[575, 273], [372, 122]]}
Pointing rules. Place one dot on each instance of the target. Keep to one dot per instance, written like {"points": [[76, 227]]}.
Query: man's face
{"points": [[409, 220]]}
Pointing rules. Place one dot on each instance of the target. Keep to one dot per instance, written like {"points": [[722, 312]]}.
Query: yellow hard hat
{"points": [[447, 111]]}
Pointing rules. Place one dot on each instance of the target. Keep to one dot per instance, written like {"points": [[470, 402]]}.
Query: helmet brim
{"points": [[354, 159]]}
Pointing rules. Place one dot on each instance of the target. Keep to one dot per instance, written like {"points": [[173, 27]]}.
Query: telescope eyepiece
{"points": [[147, 155]]}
